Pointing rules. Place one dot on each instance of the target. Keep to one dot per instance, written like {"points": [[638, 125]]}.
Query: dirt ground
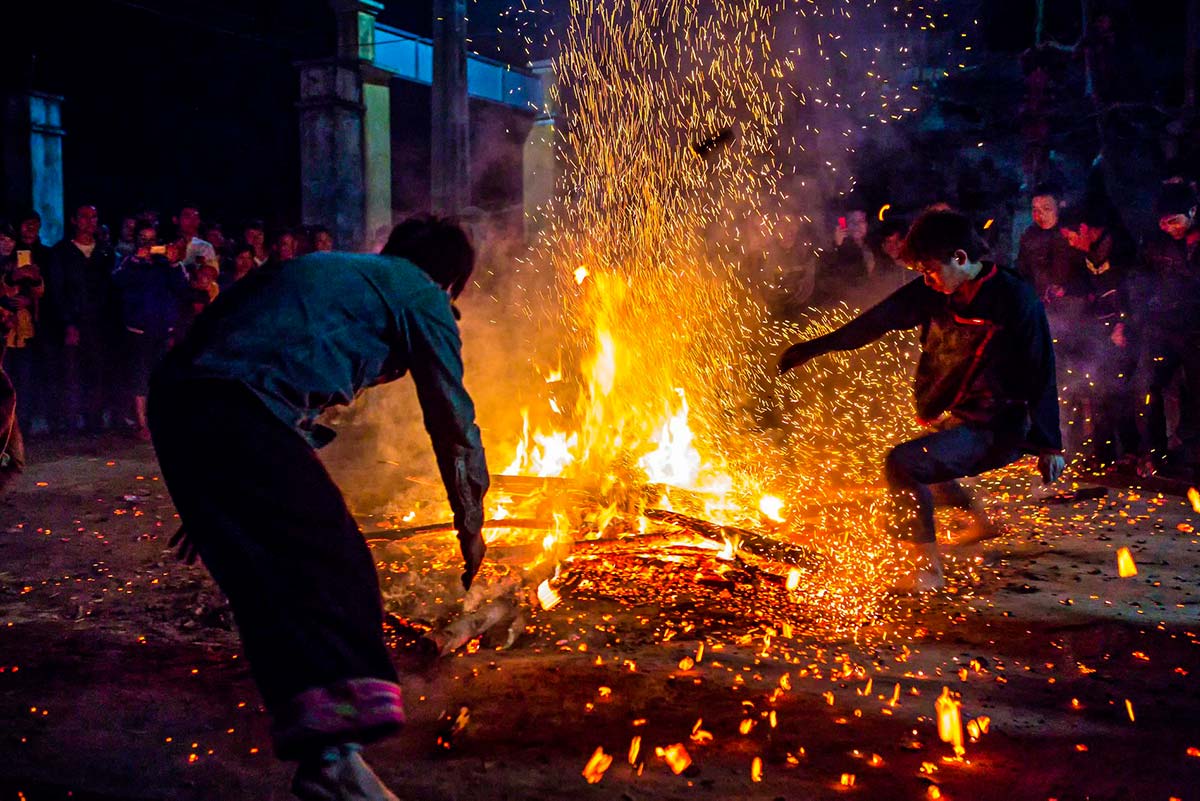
{"points": [[120, 676]]}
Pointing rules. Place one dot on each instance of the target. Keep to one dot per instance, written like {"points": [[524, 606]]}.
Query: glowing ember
{"points": [[848, 780], [676, 756], [756, 770], [1125, 564], [949, 721], [1193, 496], [593, 771], [635, 748]]}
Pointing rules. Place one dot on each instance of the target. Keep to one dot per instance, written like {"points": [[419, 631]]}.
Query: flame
{"points": [[635, 747], [1126, 568], [756, 770], [581, 274], [772, 508], [1193, 496], [949, 719], [593, 771], [548, 597], [676, 756]]}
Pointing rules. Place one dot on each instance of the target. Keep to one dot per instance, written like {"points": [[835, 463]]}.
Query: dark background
{"points": [[172, 101]]}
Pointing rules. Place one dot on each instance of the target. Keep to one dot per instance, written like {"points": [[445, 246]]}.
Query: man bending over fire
{"points": [[232, 412], [985, 382]]}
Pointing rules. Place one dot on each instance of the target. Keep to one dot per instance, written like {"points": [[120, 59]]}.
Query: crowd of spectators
{"points": [[1124, 311], [87, 318]]}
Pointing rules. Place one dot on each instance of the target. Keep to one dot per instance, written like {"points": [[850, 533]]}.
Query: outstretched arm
{"points": [[437, 371], [907, 307]]}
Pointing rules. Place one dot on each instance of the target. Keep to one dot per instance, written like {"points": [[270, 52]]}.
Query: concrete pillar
{"points": [[333, 181], [32, 138], [345, 132], [450, 173], [377, 148], [541, 167]]}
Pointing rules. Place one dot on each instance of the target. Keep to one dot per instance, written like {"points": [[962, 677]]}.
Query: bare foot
{"points": [[345, 778]]}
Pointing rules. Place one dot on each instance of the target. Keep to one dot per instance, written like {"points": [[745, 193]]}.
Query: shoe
{"points": [[341, 774]]}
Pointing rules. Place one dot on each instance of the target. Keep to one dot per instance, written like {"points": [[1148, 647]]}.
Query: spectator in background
{"points": [[890, 273], [214, 234], [1106, 352], [254, 234], [284, 248], [1168, 300], [197, 251], [126, 238], [1044, 257], [29, 237], [12, 451], [79, 281], [322, 240], [21, 288], [151, 287], [239, 267], [850, 264]]}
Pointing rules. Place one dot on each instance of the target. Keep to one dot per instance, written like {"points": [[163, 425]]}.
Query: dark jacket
{"points": [[986, 358], [1109, 268], [79, 290], [151, 292], [1045, 259], [1168, 295], [315, 332]]}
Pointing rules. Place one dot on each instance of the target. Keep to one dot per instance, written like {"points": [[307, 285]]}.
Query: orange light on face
{"points": [[949, 719], [593, 771], [676, 756], [1125, 564]]}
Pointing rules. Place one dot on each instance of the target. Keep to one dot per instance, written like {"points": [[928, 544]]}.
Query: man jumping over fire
{"points": [[985, 381], [233, 410]]}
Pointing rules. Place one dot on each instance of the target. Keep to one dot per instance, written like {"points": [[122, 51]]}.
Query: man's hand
{"points": [[72, 338], [795, 356], [1051, 466], [473, 550]]}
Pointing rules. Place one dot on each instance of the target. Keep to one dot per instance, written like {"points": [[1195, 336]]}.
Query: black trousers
{"points": [[1163, 355], [922, 472], [274, 530]]}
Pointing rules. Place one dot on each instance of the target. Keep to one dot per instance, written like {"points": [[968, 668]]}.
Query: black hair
{"points": [[1047, 189], [254, 225], [1175, 197], [242, 247], [28, 214], [7, 229], [439, 246], [940, 234]]}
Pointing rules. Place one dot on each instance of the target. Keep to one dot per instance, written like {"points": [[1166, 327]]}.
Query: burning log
{"points": [[749, 541]]}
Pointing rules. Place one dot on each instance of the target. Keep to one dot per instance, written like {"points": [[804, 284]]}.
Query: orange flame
{"points": [[949, 719]]}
